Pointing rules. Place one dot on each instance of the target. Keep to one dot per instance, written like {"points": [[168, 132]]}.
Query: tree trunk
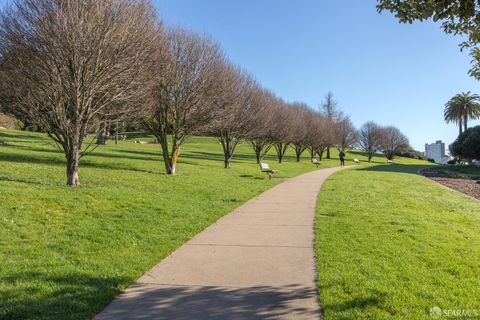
{"points": [[226, 162], [227, 154], [460, 127], [298, 152], [311, 150], [228, 144], [257, 155], [166, 155], [174, 158], [280, 151], [73, 159], [328, 152], [465, 123], [116, 133], [258, 150], [389, 154], [320, 153]]}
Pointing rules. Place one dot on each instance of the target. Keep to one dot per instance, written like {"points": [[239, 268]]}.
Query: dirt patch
{"points": [[466, 186]]}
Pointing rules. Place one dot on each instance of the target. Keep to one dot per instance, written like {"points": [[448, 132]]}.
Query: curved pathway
{"points": [[255, 263]]}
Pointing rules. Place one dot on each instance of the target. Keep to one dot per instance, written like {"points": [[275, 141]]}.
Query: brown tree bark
{"points": [[299, 149], [320, 152], [229, 144], [281, 148], [73, 159]]}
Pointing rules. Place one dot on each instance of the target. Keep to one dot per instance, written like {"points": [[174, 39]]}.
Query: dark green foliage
{"points": [[413, 154], [467, 145]]}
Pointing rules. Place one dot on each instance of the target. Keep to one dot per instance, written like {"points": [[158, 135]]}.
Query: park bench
{"points": [[266, 169], [390, 161], [356, 161], [316, 162]]}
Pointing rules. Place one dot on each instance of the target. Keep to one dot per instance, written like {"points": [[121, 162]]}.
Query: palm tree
{"points": [[461, 108]]}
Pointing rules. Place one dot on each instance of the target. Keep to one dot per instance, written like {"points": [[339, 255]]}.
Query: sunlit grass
{"points": [[65, 253], [391, 244]]}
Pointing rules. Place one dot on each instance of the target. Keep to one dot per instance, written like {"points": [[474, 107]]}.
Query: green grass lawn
{"points": [[391, 244], [65, 253]]}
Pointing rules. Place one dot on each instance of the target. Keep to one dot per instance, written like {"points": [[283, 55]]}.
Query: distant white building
{"points": [[435, 151]]}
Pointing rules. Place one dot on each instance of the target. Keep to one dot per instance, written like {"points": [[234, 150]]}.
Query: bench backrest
{"points": [[315, 160], [264, 166]]}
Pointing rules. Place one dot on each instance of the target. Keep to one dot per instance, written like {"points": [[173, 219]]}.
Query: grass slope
{"points": [[391, 244], [65, 253]]}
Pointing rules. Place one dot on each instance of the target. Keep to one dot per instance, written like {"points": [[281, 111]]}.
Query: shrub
{"points": [[467, 145]]}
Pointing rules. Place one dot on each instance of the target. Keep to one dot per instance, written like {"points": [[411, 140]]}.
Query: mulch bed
{"points": [[466, 186]]}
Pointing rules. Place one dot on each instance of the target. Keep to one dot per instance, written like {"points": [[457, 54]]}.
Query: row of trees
{"points": [[76, 67], [390, 140]]}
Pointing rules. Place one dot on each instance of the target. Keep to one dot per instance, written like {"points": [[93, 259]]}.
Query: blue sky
{"points": [[376, 68]]}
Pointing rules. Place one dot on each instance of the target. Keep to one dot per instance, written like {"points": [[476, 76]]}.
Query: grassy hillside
{"points": [[65, 253], [392, 244]]}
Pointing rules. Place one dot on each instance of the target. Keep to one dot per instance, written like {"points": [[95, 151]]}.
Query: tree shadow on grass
{"points": [[81, 296], [69, 296], [51, 161], [371, 299], [364, 154], [20, 180], [398, 168], [20, 136], [144, 301], [356, 303], [251, 177]]}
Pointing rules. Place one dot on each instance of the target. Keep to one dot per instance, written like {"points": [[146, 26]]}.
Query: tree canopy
{"points": [[467, 145]]}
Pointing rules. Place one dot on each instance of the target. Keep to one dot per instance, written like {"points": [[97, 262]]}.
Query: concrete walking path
{"points": [[255, 263]]}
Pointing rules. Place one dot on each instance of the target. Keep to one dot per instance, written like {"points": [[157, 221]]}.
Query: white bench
{"points": [[356, 161], [264, 167], [390, 161], [316, 162]]}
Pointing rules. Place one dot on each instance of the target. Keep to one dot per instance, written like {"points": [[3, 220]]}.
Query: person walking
{"points": [[342, 158]]}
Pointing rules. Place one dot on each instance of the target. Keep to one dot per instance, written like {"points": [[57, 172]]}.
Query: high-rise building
{"points": [[435, 151]]}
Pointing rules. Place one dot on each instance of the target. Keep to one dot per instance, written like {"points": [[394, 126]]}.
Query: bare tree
{"points": [[392, 141], [261, 138], [331, 112], [320, 135], [185, 92], [369, 138], [282, 128], [301, 115], [345, 134], [237, 117], [65, 65]]}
